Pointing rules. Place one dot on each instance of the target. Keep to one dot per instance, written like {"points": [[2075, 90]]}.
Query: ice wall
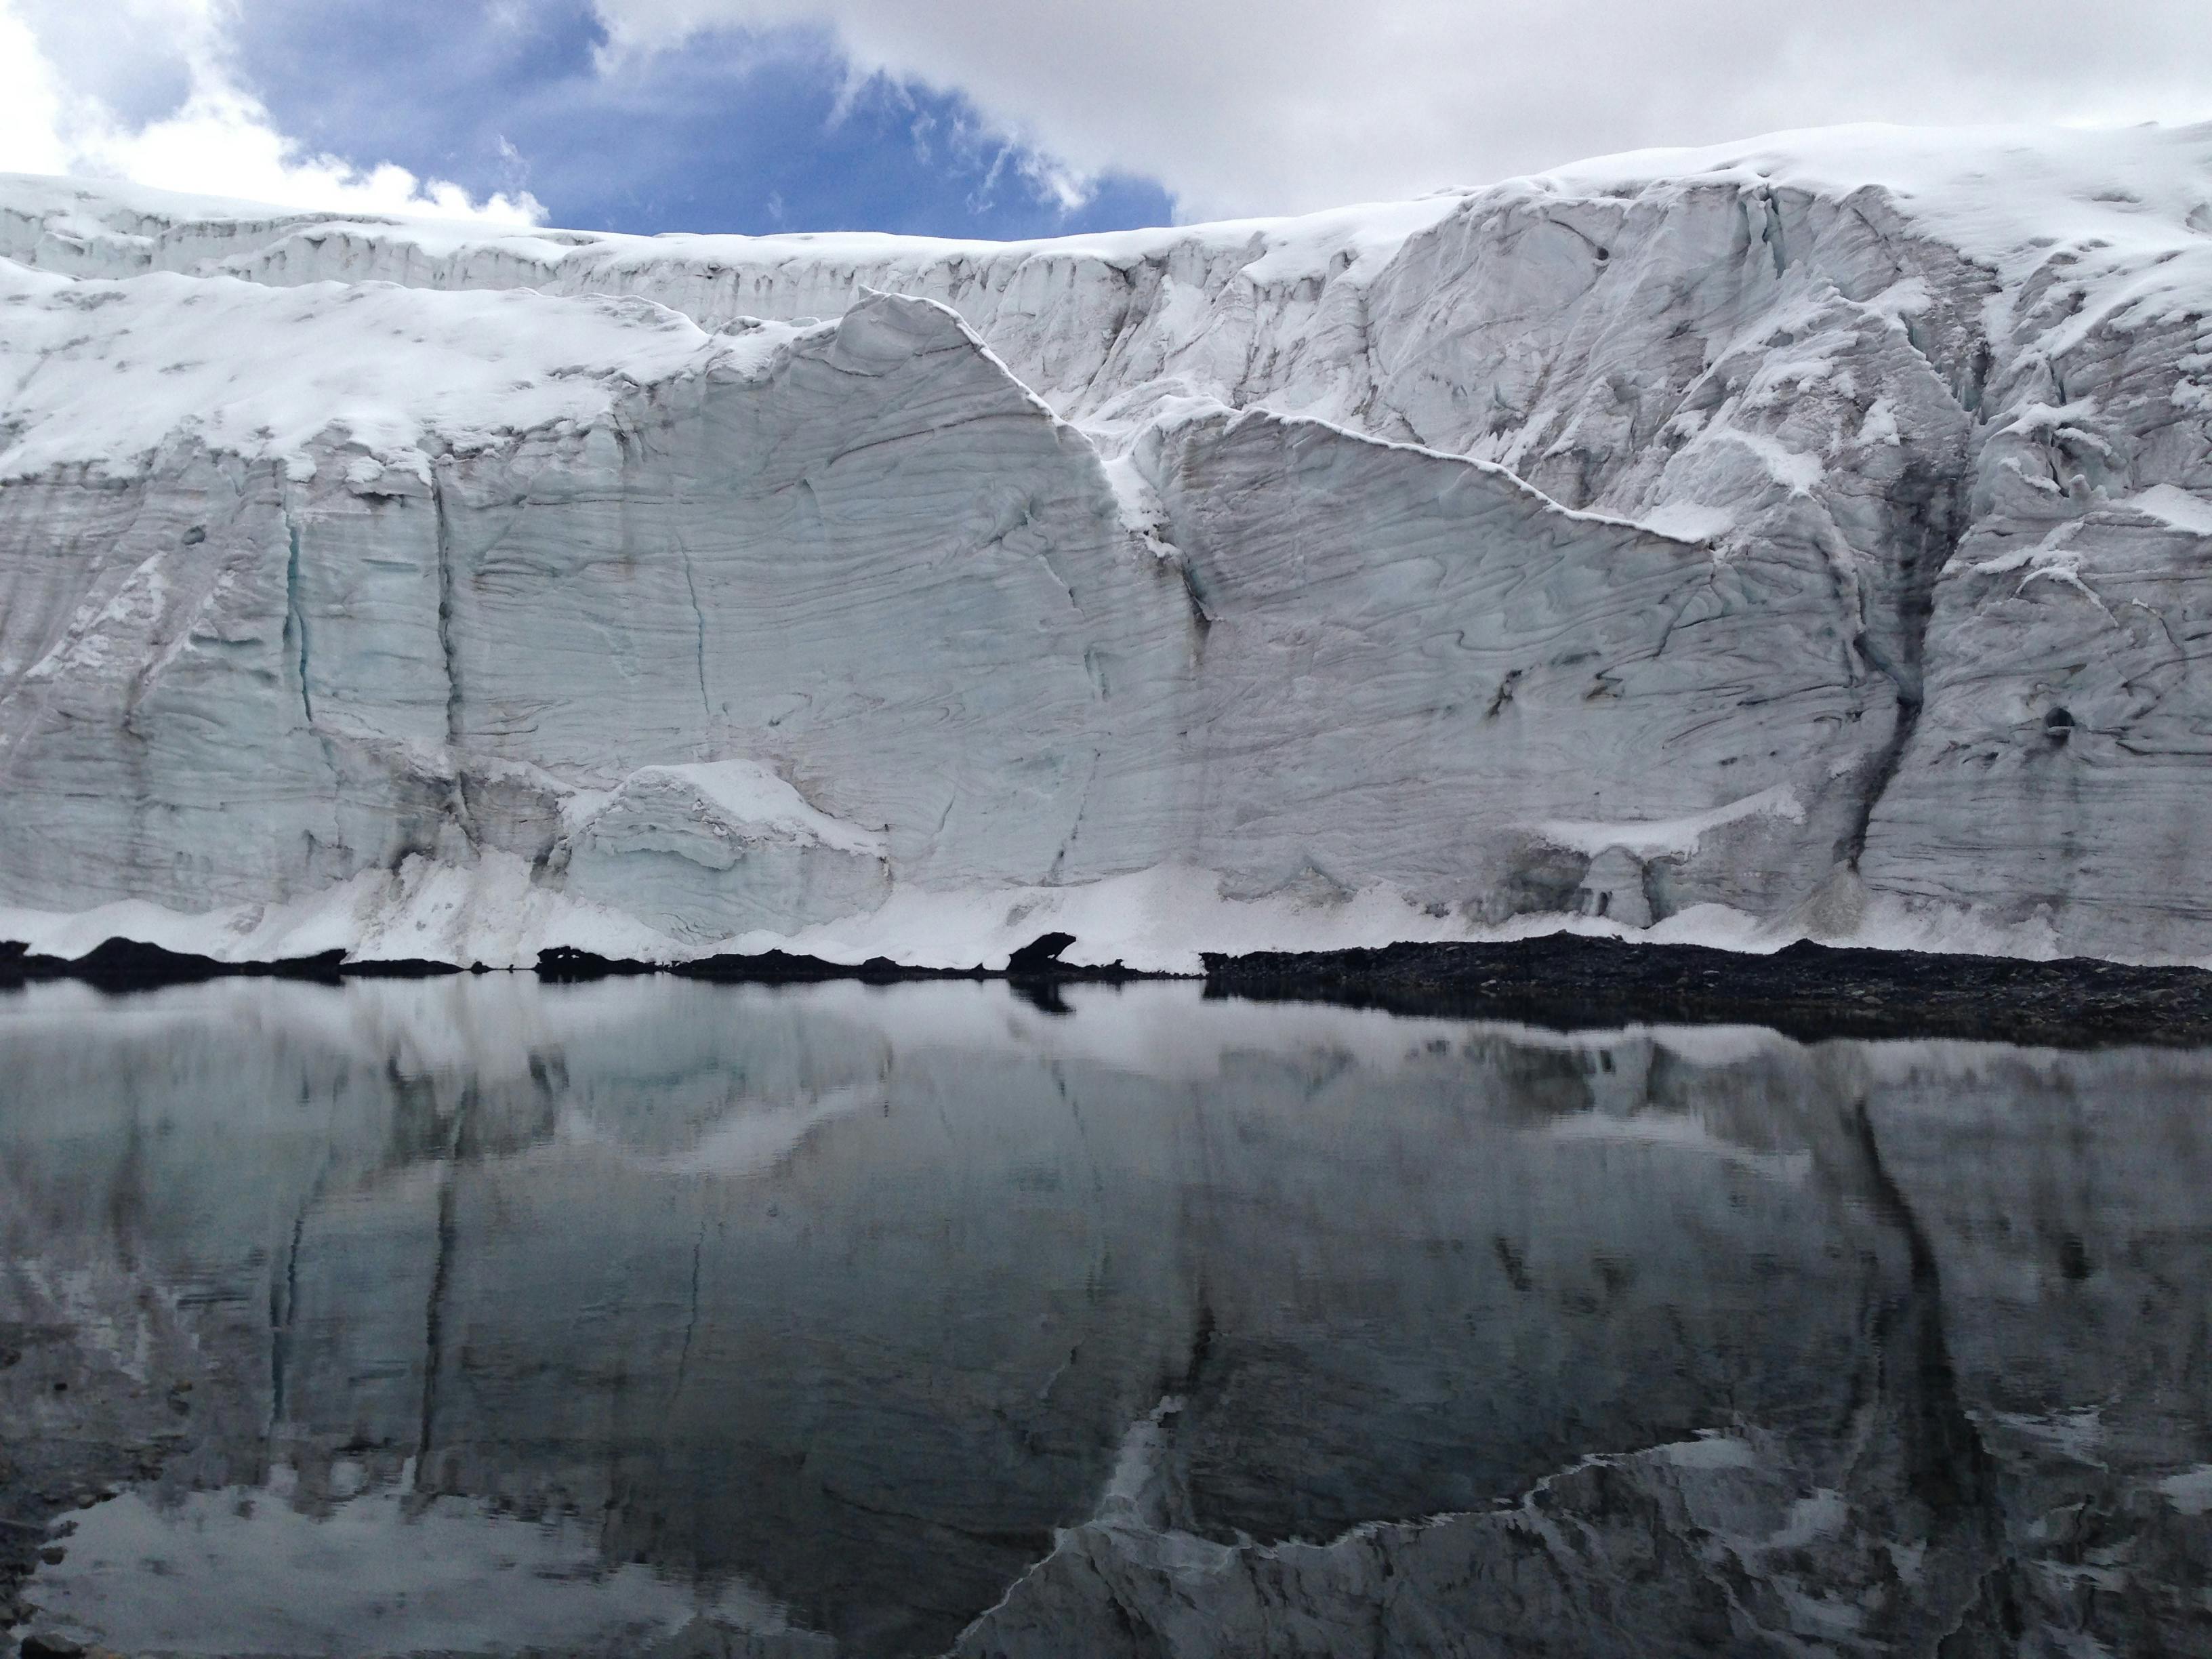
{"points": [[1798, 537]]}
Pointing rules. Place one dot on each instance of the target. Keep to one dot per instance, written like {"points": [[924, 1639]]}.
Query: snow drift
{"points": [[1805, 537]]}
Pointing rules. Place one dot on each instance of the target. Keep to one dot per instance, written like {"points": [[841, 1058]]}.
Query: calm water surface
{"points": [[476, 1316]]}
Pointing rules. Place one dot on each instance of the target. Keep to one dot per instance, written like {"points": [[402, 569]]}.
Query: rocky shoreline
{"points": [[1566, 982], [1806, 991]]}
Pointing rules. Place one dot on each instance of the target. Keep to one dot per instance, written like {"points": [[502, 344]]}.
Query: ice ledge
{"points": [[743, 800]]}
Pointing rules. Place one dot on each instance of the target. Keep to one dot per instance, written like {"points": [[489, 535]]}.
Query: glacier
{"points": [[1799, 539]]}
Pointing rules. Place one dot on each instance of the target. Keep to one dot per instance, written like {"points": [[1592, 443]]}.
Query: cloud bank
{"points": [[71, 112], [710, 113], [1276, 105]]}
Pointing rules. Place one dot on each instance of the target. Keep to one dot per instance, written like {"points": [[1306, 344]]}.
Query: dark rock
{"points": [[123, 964], [404, 968], [565, 964], [1041, 955], [1806, 991]]}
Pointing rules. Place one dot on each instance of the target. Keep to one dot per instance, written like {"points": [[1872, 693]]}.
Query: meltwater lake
{"points": [[477, 1315]]}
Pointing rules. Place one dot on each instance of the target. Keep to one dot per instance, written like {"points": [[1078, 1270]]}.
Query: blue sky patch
{"points": [[739, 131]]}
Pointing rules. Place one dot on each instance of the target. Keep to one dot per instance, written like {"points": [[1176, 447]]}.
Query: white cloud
{"points": [[1269, 106], [30, 102], [220, 141]]}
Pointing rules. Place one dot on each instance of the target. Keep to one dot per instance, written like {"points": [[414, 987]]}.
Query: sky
{"points": [[1010, 117]]}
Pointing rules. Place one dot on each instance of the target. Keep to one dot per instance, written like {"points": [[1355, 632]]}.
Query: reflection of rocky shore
{"points": [[854, 1311]]}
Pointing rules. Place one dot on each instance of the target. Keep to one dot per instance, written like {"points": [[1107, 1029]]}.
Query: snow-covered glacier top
{"points": [[256, 372], [1793, 536], [2123, 213]]}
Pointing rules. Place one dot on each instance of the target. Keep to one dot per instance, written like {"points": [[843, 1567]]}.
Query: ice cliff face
{"points": [[1799, 538]]}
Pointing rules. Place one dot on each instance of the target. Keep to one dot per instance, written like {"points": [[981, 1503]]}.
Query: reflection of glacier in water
{"points": [[474, 1316]]}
